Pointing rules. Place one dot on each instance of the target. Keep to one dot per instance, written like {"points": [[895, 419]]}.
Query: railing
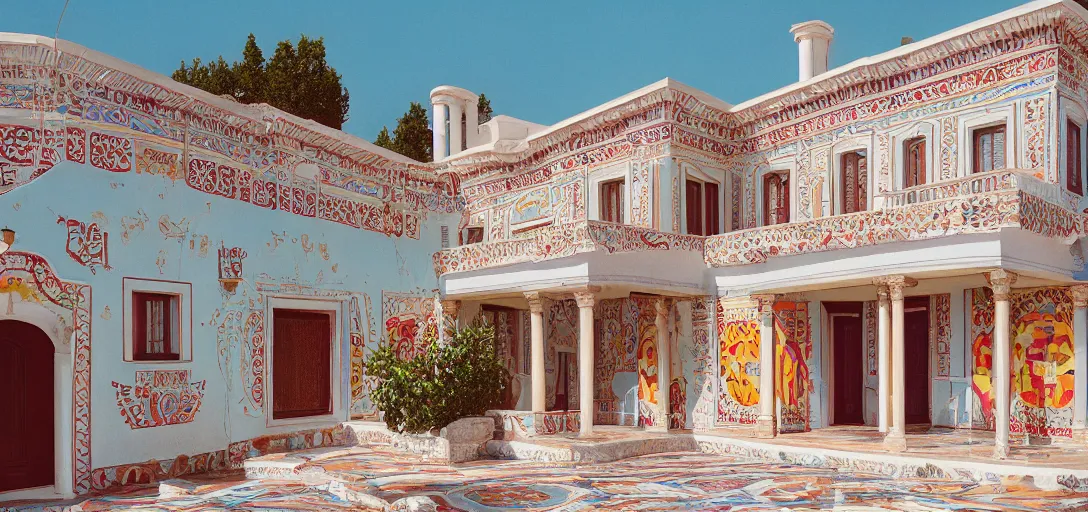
{"points": [[981, 203], [560, 241], [981, 183], [986, 212]]}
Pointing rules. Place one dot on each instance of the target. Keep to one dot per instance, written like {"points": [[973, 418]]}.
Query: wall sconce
{"points": [[7, 239]]}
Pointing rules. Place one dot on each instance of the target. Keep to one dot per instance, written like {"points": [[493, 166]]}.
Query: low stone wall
{"points": [[511, 425], [460, 441]]}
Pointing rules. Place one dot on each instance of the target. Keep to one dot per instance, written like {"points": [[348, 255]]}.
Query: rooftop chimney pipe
{"points": [[813, 40]]}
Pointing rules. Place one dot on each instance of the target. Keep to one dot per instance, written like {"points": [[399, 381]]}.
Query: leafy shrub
{"points": [[462, 378]]}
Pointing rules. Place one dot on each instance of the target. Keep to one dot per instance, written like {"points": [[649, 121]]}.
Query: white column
{"points": [[1001, 282], [586, 367], [664, 351], [536, 350], [1080, 357], [439, 131], [455, 127], [63, 468], [884, 337], [450, 311], [766, 422], [896, 439]]}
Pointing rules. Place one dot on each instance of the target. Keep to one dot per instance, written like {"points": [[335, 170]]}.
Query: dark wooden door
{"points": [[916, 343], [848, 353], [26, 406], [301, 363], [694, 194], [562, 381]]}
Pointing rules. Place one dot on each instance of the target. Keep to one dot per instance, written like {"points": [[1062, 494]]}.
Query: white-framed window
{"points": [[851, 163], [157, 320], [702, 201], [1071, 158], [302, 366], [914, 157], [609, 190], [775, 191], [986, 140]]}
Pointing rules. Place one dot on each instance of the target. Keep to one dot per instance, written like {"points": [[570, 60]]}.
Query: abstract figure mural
{"points": [[738, 331], [793, 349], [647, 362], [87, 243], [1041, 335]]}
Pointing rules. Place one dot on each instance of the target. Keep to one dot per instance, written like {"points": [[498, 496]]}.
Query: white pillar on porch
{"points": [[766, 423], [884, 337], [1001, 282], [1080, 357], [536, 350], [896, 439], [450, 311], [664, 351], [586, 367]]}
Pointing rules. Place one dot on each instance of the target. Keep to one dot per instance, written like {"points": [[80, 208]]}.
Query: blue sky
{"points": [[542, 61]]}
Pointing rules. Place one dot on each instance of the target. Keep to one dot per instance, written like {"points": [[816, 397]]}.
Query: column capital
{"points": [[765, 302], [896, 284], [883, 295], [536, 302], [1001, 282], [1080, 295], [585, 299], [450, 307], [662, 306]]}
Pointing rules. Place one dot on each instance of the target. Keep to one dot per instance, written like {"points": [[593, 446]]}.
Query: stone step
{"points": [[575, 452]]}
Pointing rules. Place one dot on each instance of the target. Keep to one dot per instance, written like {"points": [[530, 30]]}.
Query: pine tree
{"points": [[384, 140], [412, 136], [297, 79], [483, 108]]}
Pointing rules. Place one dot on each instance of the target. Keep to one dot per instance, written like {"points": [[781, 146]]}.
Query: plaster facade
{"points": [[117, 179]]}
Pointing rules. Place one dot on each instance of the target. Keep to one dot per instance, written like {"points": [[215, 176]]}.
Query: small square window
{"points": [[155, 332], [611, 201], [474, 235], [157, 320]]}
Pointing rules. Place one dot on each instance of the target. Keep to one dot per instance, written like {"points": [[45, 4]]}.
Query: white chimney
{"points": [[813, 40], [448, 103]]}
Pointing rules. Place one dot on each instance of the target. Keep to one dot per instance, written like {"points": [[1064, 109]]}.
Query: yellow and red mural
{"points": [[409, 321], [739, 332], [1041, 338]]}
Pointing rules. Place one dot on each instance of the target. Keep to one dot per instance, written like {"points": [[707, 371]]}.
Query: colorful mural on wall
{"points": [[1042, 360], [738, 334], [159, 397], [409, 321], [793, 347], [649, 413]]}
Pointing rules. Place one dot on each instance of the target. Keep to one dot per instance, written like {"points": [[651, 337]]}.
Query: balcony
{"points": [[981, 203], [561, 241]]}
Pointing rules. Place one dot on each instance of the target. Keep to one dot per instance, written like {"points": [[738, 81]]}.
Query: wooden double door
{"points": [[26, 406], [848, 361]]}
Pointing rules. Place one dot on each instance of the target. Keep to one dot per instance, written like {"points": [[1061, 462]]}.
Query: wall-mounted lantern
{"points": [[7, 239]]}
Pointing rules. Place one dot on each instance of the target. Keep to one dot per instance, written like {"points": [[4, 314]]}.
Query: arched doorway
{"points": [[26, 399]]}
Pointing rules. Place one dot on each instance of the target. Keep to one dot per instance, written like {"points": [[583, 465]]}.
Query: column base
{"points": [[766, 428], [1001, 451], [895, 442]]}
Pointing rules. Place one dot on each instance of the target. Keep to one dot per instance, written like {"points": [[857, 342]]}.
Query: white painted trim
{"points": [[337, 308], [858, 143], [896, 144], [598, 178], [184, 292], [1004, 114], [1070, 110]]}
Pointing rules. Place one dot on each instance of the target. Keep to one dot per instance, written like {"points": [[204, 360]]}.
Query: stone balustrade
{"points": [[981, 203], [560, 241]]}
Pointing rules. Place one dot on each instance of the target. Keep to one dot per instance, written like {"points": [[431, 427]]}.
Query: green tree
{"points": [[445, 383], [297, 79], [483, 108], [384, 140], [413, 137]]}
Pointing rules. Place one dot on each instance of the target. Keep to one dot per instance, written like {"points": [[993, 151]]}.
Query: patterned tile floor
{"points": [[657, 482], [938, 443]]}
